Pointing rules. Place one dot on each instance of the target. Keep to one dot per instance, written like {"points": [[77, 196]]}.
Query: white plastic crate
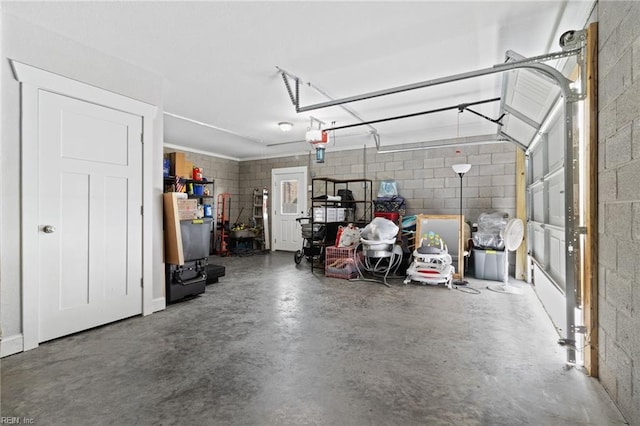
{"points": [[333, 214]]}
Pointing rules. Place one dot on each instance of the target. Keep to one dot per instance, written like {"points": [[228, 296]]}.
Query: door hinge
{"points": [[142, 282], [142, 138], [142, 210]]}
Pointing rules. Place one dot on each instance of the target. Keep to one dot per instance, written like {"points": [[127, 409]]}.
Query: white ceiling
{"points": [[219, 62]]}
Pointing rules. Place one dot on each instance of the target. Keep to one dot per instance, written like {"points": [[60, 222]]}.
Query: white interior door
{"points": [[289, 203], [89, 215]]}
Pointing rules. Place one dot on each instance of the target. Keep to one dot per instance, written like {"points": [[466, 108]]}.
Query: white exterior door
{"points": [[289, 203], [89, 256]]}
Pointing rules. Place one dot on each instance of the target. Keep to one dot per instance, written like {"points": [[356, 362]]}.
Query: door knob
{"points": [[49, 229]]}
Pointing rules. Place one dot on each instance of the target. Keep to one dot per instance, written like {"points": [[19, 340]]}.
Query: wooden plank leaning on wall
{"points": [[590, 252]]}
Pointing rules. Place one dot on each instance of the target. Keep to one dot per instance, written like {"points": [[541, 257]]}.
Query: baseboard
{"points": [[159, 304], [11, 345]]}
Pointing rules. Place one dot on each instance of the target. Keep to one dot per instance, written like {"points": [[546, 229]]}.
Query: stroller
{"points": [[432, 262], [310, 233]]}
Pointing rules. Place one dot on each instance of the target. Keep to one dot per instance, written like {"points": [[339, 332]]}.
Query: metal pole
{"points": [[461, 281], [556, 75], [461, 249], [460, 107]]}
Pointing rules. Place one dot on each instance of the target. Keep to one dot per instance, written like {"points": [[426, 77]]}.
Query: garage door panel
{"points": [[555, 150], [537, 201], [538, 164], [557, 257], [556, 200], [537, 236]]}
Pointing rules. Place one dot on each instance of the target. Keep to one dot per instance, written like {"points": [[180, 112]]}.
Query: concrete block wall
{"points": [[424, 178], [429, 184], [619, 203]]}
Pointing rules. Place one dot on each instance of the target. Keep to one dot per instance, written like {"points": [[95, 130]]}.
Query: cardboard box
{"points": [[187, 209], [173, 253], [188, 170], [180, 166]]}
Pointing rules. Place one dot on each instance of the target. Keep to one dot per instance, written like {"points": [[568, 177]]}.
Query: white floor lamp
{"points": [[461, 169]]}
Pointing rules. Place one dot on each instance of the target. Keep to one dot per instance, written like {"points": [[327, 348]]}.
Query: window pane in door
{"points": [[289, 197]]}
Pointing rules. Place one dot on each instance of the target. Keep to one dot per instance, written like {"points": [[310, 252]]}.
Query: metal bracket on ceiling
{"points": [[376, 139], [315, 122], [576, 40], [295, 99], [573, 39]]}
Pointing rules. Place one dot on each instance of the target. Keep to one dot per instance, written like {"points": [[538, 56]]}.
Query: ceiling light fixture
{"points": [[285, 126]]}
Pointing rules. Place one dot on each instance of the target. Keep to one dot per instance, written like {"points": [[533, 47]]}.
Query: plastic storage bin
{"points": [[195, 238], [333, 214], [488, 264]]}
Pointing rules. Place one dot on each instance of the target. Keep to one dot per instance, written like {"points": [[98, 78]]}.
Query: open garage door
{"points": [[556, 130], [540, 121]]}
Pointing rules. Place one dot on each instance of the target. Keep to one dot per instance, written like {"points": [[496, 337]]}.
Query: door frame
{"points": [[285, 170], [32, 80]]}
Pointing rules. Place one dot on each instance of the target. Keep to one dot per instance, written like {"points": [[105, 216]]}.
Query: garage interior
{"points": [[547, 120]]}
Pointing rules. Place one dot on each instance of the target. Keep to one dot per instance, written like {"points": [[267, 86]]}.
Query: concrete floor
{"points": [[274, 344]]}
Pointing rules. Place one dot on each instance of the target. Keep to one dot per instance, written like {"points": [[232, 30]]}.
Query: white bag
{"points": [[349, 237], [380, 229]]}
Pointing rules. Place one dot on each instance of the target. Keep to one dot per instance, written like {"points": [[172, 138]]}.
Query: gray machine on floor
{"points": [[190, 279]]}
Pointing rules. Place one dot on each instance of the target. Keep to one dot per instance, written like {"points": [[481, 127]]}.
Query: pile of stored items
{"points": [[488, 246], [389, 204]]}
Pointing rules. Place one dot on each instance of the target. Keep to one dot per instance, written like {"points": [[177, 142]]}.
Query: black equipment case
{"points": [[190, 279], [185, 281]]}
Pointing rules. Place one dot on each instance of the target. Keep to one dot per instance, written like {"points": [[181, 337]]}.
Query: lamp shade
{"points": [[461, 168]]}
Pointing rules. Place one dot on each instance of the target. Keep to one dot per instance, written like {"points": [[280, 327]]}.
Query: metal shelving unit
{"points": [[170, 186], [322, 205], [204, 199]]}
